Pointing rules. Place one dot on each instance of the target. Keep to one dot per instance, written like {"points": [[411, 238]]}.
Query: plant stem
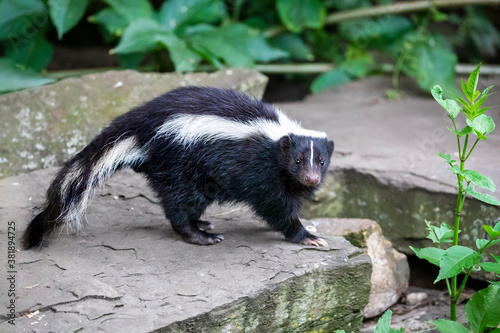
{"points": [[458, 138], [463, 283], [475, 143], [392, 9]]}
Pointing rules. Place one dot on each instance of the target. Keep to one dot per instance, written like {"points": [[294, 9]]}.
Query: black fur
{"points": [[273, 177]]}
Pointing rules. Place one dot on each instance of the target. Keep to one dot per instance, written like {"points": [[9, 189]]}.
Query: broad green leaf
{"points": [[449, 105], [493, 232], [236, 44], [34, 53], [293, 45], [14, 77], [66, 14], [493, 267], [482, 124], [299, 14], [139, 36], [431, 254], [482, 309], [489, 199], [131, 10], [379, 33], [174, 14], [455, 259], [113, 22], [329, 80], [449, 326], [16, 16], [184, 59], [436, 64], [472, 82], [479, 179], [480, 243], [439, 234]]}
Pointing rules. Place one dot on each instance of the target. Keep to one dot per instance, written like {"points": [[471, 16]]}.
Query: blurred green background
{"points": [[318, 43]]}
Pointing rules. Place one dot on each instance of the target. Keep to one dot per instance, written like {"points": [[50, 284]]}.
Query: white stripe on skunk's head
{"points": [[188, 129]]}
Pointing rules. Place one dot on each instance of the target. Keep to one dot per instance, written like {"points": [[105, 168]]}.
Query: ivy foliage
{"points": [[242, 33]]}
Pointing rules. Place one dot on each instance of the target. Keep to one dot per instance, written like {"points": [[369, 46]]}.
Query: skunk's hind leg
{"points": [[185, 220]]}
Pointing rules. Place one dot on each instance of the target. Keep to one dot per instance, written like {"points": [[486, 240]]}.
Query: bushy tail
{"points": [[71, 190]]}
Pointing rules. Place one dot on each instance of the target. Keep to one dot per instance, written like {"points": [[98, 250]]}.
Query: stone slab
{"points": [[44, 126], [128, 271]]}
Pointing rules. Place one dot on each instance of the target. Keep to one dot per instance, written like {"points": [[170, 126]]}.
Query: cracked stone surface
{"points": [[128, 272], [385, 165], [44, 126]]}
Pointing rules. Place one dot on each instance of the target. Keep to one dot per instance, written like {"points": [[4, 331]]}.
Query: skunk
{"points": [[196, 146]]}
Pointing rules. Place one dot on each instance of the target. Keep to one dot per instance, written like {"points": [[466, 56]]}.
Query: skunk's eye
{"points": [[297, 161], [322, 162]]}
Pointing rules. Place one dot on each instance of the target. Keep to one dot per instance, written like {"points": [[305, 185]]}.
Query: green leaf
{"points": [[358, 63], [236, 44], [449, 326], [489, 199], [449, 105], [184, 59], [435, 65], [493, 232], [455, 259], [479, 179], [482, 124], [384, 322], [431, 254], [35, 53], [464, 89], [175, 14], [482, 309], [485, 91], [139, 36], [66, 14], [16, 14], [131, 10], [439, 234], [455, 169], [329, 80], [472, 82], [466, 130], [293, 45], [113, 22], [480, 243], [14, 77], [493, 267], [299, 14], [446, 157]]}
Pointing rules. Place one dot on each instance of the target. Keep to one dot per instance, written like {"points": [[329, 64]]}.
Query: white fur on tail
{"points": [[125, 152]]}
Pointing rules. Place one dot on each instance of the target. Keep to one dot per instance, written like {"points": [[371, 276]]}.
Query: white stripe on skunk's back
{"points": [[189, 129]]}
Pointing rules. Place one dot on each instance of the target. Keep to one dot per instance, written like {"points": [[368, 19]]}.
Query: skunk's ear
{"points": [[285, 144], [330, 147]]}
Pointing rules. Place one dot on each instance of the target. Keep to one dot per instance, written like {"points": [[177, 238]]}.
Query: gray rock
{"points": [[129, 272], [390, 272], [42, 127], [386, 168]]}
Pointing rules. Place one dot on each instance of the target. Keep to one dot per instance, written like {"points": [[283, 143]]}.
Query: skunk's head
{"points": [[306, 158]]}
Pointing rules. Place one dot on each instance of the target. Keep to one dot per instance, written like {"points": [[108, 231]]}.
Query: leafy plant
{"points": [[206, 34], [482, 309]]}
